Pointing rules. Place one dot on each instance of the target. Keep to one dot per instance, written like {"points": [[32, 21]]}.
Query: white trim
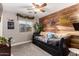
{"points": [[12, 54], [19, 43]]}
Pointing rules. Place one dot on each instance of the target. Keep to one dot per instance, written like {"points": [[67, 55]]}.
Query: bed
{"points": [[53, 47]]}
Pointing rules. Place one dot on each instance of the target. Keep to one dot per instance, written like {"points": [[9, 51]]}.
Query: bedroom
{"points": [[17, 20]]}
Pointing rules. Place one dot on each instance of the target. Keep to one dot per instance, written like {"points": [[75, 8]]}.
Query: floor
{"points": [[28, 49]]}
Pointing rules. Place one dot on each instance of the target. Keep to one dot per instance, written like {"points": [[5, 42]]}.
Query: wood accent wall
{"points": [[54, 17]]}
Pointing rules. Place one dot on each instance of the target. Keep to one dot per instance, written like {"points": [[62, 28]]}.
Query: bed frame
{"points": [[53, 50]]}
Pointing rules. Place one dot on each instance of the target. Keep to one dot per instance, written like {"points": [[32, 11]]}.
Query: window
{"points": [[25, 25]]}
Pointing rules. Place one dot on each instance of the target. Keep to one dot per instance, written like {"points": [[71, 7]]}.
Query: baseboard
{"points": [[19, 43]]}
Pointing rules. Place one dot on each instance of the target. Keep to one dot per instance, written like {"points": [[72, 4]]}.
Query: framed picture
{"points": [[10, 24]]}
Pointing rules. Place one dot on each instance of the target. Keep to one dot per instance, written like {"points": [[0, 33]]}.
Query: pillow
{"points": [[63, 35], [44, 34], [51, 35], [42, 38]]}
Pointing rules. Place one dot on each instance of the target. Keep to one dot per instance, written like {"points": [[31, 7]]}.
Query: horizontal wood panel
{"points": [[54, 17]]}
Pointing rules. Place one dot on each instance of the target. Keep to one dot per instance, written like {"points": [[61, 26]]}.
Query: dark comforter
{"points": [[55, 48]]}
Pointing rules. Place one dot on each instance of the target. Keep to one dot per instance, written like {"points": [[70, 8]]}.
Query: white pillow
{"points": [[62, 35]]}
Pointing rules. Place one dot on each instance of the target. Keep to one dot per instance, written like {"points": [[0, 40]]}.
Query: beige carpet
{"points": [[28, 49]]}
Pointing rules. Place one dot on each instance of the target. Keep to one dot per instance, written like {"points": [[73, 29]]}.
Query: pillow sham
{"points": [[51, 35]]}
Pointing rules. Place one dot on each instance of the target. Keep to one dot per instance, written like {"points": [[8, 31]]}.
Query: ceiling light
{"points": [[39, 7]]}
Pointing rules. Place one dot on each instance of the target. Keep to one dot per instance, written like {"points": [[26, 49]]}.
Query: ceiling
{"points": [[26, 8]]}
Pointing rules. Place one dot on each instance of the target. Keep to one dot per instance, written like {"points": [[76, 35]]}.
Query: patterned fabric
{"points": [[51, 35]]}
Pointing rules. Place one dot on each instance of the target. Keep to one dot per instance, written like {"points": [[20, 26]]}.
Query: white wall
{"points": [[1, 26], [17, 36], [1, 10], [0, 29]]}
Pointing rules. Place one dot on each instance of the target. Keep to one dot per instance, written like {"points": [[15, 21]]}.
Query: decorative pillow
{"points": [[63, 36], [44, 34], [51, 35], [42, 38]]}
